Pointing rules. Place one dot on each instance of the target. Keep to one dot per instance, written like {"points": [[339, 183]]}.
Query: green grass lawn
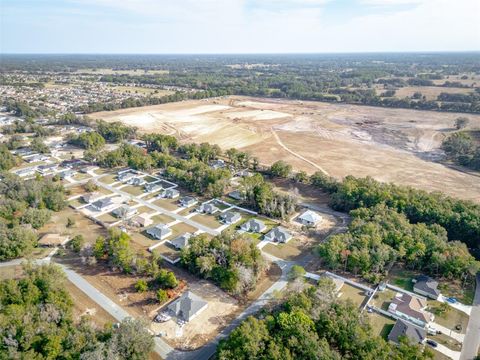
{"points": [[133, 190], [76, 203], [167, 204], [149, 179], [108, 179], [289, 251], [108, 218], [162, 218], [383, 298], [381, 325], [450, 318], [447, 341], [168, 251], [356, 295], [402, 278], [207, 220]]}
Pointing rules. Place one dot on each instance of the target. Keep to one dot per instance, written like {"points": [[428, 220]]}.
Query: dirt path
{"points": [[297, 155]]}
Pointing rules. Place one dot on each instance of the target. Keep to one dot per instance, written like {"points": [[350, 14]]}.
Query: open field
{"points": [[381, 325], [430, 92], [396, 145], [356, 295]]}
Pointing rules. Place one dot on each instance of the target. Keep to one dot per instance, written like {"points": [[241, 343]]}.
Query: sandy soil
{"points": [[396, 145]]}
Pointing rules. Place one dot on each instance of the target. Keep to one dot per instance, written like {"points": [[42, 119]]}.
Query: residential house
{"points": [[36, 158], [181, 241], [124, 212], [103, 204], [66, 173], [309, 218], [142, 220], [26, 172], [170, 194], [91, 197], [126, 176], [254, 225], [159, 231], [137, 181], [230, 217], [208, 208], [411, 308], [414, 333], [278, 234], [236, 195], [188, 201], [47, 169], [187, 306], [426, 286], [152, 187]]}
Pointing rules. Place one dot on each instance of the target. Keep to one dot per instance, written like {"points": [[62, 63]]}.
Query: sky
{"points": [[238, 26]]}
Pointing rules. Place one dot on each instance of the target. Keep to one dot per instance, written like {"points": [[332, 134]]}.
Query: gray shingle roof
{"points": [[187, 306], [231, 217], [426, 284], [181, 241], [403, 328], [254, 225]]}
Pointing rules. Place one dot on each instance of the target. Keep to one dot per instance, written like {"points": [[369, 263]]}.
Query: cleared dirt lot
{"points": [[396, 145]]}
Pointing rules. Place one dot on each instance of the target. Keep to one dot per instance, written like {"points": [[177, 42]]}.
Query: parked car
{"points": [[452, 300], [432, 343]]}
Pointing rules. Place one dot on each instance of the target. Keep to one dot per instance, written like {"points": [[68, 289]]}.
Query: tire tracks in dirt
{"points": [[277, 138]]}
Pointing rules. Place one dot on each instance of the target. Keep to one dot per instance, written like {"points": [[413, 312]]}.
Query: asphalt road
{"points": [[471, 342]]}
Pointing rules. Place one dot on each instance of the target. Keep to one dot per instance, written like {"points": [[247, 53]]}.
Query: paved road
{"points": [[207, 351], [160, 209], [471, 343]]}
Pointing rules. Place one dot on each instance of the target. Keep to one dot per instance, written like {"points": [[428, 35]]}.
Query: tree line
{"points": [[313, 324], [36, 322]]}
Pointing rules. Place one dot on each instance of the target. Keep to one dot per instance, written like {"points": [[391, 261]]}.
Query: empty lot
{"points": [[396, 145]]}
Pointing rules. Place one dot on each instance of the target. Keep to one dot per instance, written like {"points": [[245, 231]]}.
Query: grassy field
{"points": [[356, 295], [207, 220], [168, 251], [181, 228], [382, 299], [133, 190], [82, 225], [450, 318], [167, 204], [108, 179], [289, 251], [381, 325], [162, 218]]}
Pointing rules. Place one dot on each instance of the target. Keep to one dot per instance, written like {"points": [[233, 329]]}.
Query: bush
{"points": [[162, 296], [281, 169], [141, 286], [77, 243]]}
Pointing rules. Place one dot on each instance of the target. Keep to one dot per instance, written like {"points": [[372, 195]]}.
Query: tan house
{"points": [[411, 308]]}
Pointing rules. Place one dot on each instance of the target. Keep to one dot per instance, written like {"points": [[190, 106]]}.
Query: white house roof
{"points": [[310, 216]]}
